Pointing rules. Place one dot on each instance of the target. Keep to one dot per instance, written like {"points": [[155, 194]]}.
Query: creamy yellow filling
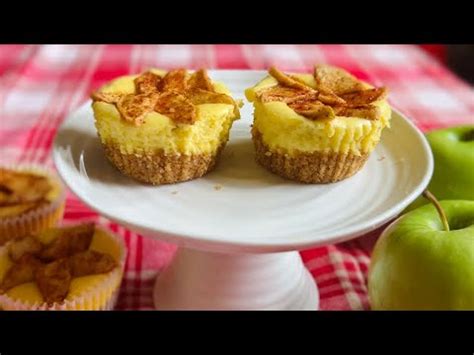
{"points": [[285, 131], [159, 133], [30, 293]]}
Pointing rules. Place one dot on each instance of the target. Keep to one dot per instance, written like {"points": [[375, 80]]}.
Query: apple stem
{"points": [[429, 196]]}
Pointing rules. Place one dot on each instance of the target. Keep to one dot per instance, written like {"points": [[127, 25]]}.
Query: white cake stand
{"points": [[240, 227]]}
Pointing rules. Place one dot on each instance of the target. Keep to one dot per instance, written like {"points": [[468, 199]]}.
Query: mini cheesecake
{"points": [[70, 268], [164, 127], [316, 128], [31, 200]]}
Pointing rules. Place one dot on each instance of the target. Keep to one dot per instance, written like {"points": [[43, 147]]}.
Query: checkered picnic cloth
{"points": [[40, 85]]}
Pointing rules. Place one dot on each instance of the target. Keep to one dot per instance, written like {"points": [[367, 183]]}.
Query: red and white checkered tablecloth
{"points": [[40, 85]]}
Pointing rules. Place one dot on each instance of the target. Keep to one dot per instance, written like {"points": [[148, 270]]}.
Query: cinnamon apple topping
{"points": [[21, 192], [53, 266], [175, 95], [336, 93]]}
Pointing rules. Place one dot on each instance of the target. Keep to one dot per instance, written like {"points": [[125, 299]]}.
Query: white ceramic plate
{"points": [[240, 206]]}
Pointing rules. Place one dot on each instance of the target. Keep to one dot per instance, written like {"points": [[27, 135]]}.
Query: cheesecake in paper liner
{"points": [[44, 213], [89, 292]]}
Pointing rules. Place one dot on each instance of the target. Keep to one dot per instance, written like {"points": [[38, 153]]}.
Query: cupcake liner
{"points": [[314, 168], [99, 297], [37, 219], [160, 168]]}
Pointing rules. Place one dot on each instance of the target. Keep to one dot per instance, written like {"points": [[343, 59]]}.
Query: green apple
{"points": [[453, 152], [453, 175], [418, 265]]}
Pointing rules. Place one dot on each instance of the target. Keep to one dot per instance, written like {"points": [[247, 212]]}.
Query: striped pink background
{"points": [[39, 85]]}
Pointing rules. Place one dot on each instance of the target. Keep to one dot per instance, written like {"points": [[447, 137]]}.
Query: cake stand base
{"points": [[199, 280]]}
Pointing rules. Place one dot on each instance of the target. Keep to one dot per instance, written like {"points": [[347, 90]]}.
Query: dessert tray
{"points": [[239, 227]]}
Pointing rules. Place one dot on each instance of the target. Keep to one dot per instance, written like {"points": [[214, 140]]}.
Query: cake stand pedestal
{"points": [[222, 281]]}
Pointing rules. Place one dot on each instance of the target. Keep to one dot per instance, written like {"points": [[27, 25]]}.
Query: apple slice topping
{"points": [[335, 93], [22, 187], [53, 266], [175, 95]]}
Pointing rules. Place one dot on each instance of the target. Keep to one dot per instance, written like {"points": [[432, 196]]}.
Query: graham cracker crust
{"points": [[310, 168], [160, 168]]}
